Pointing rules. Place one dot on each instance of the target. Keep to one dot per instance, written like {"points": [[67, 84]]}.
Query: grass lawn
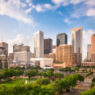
{"points": [[17, 82]]}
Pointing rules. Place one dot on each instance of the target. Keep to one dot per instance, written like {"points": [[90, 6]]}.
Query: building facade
{"points": [[47, 46], [89, 53], [76, 39], [61, 39], [17, 48], [65, 55], [93, 48], [22, 54], [39, 44], [4, 49]]}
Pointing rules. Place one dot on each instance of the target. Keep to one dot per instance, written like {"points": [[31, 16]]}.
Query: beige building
{"points": [[76, 39], [65, 55], [39, 44]]}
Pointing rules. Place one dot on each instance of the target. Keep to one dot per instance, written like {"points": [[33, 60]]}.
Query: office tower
{"points": [[39, 44], [61, 39], [3, 49], [65, 55], [17, 48], [47, 46], [22, 54], [76, 38], [89, 52], [93, 48]]}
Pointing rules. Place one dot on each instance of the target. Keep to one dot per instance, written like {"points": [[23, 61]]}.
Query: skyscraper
{"points": [[47, 46], [93, 48], [89, 52], [39, 44], [76, 38], [61, 39]]}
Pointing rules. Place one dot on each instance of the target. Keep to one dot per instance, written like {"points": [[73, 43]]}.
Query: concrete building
{"points": [[22, 54], [61, 39], [39, 44], [76, 39], [89, 52], [47, 46], [4, 49], [19, 48], [93, 48], [64, 55], [3, 62], [42, 62]]}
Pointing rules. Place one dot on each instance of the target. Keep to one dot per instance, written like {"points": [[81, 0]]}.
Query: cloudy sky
{"points": [[20, 19]]}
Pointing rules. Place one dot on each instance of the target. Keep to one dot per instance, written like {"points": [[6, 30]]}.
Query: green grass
{"points": [[17, 82]]}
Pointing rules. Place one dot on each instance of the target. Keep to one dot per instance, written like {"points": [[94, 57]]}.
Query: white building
{"points": [[22, 58], [42, 62], [39, 44], [76, 38]]}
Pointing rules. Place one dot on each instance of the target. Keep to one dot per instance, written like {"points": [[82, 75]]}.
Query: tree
{"points": [[43, 81], [31, 73]]}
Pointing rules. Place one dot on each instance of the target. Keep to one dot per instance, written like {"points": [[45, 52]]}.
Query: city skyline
{"points": [[43, 16]]}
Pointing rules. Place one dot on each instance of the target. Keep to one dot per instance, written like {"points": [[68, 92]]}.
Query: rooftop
{"points": [[76, 29]]}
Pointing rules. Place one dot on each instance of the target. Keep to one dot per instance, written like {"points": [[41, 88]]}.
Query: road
{"points": [[82, 86]]}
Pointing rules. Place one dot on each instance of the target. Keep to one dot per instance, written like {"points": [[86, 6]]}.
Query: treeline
{"points": [[43, 86], [7, 73]]}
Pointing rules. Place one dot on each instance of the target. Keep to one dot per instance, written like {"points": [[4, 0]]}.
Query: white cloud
{"points": [[19, 39], [38, 8], [86, 40], [48, 6], [90, 3], [91, 12], [28, 10], [67, 2], [14, 9], [67, 21]]}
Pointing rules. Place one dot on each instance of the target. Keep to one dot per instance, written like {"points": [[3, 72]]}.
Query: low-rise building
{"points": [[42, 62]]}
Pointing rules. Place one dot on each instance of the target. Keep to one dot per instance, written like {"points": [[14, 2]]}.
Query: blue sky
{"points": [[20, 19]]}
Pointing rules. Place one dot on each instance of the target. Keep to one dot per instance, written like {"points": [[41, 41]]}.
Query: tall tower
{"points": [[39, 44], [89, 52], [93, 48], [61, 39], [76, 38], [47, 46]]}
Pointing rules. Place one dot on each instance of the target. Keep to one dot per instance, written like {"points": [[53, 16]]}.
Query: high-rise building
{"points": [[47, 46], [65, 55], [76, 38], [89, 52], [61, 39], [4, 49], [39, 44], [93, 48]]}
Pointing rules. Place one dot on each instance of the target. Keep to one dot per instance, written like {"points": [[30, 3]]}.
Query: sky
{"points": [[20, 19]]}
